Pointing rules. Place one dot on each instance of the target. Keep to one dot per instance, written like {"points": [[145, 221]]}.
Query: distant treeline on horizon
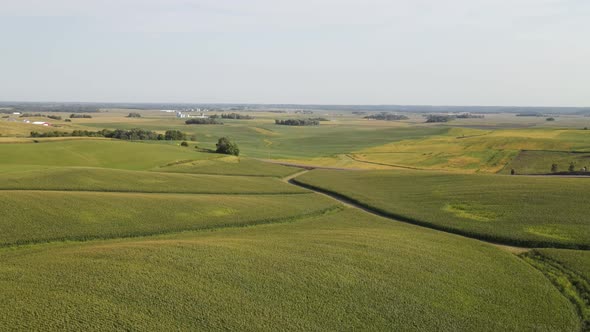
{"points": [[79, 107]]}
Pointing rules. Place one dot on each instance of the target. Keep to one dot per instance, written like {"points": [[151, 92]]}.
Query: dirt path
{"points": [[351, 204]]}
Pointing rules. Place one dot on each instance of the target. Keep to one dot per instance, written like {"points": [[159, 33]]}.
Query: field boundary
{"points": [[390, 165], [495, 240], [277, 220], [113, 191], [570, 284]]}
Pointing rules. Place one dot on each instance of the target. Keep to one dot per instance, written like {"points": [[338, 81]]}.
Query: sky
{"points": [[410, 52]]}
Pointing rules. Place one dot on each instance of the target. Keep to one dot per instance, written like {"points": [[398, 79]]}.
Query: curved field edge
{"points": [[403, 218], [342, 270], [35, 217], [399, 217], [114, 180], [230, 166], [574, 286]]}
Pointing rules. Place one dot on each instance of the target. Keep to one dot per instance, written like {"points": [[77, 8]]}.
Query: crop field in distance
{"points": [[352, 223]]}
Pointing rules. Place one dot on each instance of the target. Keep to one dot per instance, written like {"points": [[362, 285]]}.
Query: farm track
{"points": [[333, 168]]}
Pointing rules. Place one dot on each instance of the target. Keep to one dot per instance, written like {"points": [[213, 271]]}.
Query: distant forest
{"points": [[95, 107]]}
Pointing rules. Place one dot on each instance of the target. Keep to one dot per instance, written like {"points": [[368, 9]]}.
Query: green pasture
{"points": [[345, 270], [509, 209]]}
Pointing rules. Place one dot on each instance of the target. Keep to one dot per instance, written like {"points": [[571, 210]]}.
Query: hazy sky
{"points": [[459, 52]]}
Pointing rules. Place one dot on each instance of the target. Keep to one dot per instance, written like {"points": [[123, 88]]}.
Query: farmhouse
{"points": [[41, 123], [184, 115]]}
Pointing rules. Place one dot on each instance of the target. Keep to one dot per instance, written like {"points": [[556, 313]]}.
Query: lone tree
{"points": [[554, 168], [226, 146], [572, 167], [512, 172]]}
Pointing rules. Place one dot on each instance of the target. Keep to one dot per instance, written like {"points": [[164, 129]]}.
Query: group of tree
{"points": [[537, 114], [321, 119], [135, 134], [203, 121], [51, 134], [80, 116], [431, 118], [297, 122], [236, 116], [226, 146], [468, 115], [134, 115], [571, 168], [387, 117], [550, 119], [31, 115], [174, 135], [39, 115]]}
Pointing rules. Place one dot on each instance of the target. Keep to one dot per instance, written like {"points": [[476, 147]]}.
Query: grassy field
{"points": [[473, 150], [97, 153], [20, 129], [261, 138], [114, 180], [33, 216], [345, 270], [539, 162], [508, 209], [102, 234]]}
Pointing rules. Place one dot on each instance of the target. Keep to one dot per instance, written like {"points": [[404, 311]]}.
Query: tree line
{"points": [[135, 134], [297, 122], [433, 118], [80, 116], [39, 115], [200, 121], [235, 116], [386, 117]]}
